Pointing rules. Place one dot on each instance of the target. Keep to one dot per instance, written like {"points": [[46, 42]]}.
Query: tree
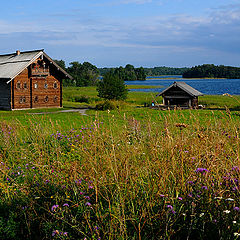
{"points": [[112, 87], [85, 74], [61, 63]]}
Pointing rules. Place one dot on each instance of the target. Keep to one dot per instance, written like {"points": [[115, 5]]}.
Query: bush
{"points": [[82, 99], [112, 87], [107, 105]]}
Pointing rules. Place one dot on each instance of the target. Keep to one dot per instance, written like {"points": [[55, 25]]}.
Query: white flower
{"points": [[218, 198], [236, 234], [201, 214], [226, 211], [229, 199], [234, 222]]}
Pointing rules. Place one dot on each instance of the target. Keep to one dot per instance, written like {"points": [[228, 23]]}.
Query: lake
{"points": [[206, 86]]}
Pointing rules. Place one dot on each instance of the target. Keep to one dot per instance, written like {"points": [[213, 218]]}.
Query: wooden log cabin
{"points": [[30, 80], [180, 94]]}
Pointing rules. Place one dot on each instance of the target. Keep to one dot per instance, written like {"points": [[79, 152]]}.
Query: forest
{"points": [[157, 71], [212, 71]]}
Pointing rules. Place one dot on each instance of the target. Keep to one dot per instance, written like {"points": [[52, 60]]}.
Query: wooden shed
{"points": [[30, 80], [180, 94]]}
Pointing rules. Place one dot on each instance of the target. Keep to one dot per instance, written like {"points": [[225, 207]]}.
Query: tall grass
{"points": [[173, 176]]}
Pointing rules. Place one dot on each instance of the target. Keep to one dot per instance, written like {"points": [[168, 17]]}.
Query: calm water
{"points": [[206, 86]]}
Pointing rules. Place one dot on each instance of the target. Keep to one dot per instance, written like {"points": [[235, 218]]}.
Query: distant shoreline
{"points": [[176, 78]]}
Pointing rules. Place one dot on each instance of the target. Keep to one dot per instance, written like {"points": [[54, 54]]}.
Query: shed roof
{"points": [[185, 87], [12, 64]]}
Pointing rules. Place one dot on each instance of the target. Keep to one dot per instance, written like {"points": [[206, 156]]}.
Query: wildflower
{"points": [[236, 209], [65, 205], [226, 211], [229, 199], [54, 207], [88, 204], [201, 170], [170, 207], [236, 234], [234, 222], [161, 195], [65, 234], [180, 198], [96, 228], [201, 215], [55, 232], [204, 187], [236, 168], [90, 187], [87, 197]]}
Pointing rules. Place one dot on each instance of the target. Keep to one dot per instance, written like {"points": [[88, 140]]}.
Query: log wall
{"points": [[31, 91], [5, 95], [21, 91]]}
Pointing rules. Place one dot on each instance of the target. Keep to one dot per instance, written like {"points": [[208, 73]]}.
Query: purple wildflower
{"points": [[236, 168], [54, 207], [55, 232], [204, 187], [180, 198], [88, 204], [65, 205], [201, 170], [236, 209], [170, 207]]}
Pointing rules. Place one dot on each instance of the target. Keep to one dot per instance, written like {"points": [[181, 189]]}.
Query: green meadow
{"points": [[127, 173]]}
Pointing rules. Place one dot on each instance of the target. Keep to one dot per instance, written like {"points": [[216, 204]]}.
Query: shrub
{"points": [[82, 99], [106, 105], [112, 87]]}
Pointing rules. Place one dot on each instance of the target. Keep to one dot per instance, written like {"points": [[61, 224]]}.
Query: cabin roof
{"points": [[13, 64], [185, 87]]}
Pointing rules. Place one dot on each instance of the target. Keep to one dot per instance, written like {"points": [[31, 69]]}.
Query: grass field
{"points": [[129, 173]]}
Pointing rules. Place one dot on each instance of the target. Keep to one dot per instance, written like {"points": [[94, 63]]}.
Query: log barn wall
{"points": [[31, 91], [21, 91], [5, 95]]}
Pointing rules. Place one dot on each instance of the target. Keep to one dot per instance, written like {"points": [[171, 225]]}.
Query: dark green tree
{"points": [[61, 63], [111, 87], [84, 74]]}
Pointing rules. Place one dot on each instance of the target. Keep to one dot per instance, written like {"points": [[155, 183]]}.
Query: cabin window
{"points": [[25, 85], [46, 99], [35, 85], [22, 100], [18, 85], [55, 85], [55, 99], [36, 99], [45, 85]]}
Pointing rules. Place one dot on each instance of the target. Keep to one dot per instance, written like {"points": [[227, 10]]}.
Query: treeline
{"points": [[212, 71], [127, 73], [84, 74], [157, 71]]}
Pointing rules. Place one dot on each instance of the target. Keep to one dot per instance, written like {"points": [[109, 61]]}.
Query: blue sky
{"points": [[109, 33]]}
